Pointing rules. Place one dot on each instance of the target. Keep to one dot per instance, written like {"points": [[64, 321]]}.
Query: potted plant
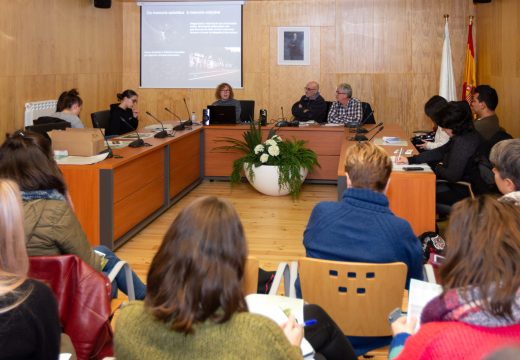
{"points": [[275, 160]]}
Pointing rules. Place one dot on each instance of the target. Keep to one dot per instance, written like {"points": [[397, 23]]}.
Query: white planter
{"points": [[266, 179]]}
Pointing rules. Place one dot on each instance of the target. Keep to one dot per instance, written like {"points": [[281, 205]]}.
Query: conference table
{"points": [[117, 197]]}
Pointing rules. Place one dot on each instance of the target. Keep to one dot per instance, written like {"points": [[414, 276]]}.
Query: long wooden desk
{"points": [[326, 141], [411, 194], [116, 198]]}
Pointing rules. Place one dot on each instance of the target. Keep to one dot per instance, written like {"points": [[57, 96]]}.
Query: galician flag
{"points": [[447, 80], [470, 77]]}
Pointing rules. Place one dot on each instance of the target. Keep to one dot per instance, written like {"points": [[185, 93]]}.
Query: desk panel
{"points": [[325, 141], [184, 164]]}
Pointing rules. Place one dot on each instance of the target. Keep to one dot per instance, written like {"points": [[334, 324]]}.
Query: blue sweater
{"points": [[361, 228]]}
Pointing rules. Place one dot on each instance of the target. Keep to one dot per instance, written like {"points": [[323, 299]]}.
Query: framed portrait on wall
{"points": [[294, 46]]}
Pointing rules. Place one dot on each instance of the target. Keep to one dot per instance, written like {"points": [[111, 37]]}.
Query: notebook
{"points": [[219, 114]]}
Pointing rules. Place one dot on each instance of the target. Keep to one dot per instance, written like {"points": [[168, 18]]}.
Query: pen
{"points": [[399, 156], [310, 322]]}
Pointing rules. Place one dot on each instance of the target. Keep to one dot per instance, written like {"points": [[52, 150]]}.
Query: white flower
{"points": [[270, 142], [273, 150], [264, 158], [259, 149], [276, 138]]}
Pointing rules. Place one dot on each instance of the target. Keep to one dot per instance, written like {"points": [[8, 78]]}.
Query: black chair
{"points": [[101, 119], [368, 114], [44, 124], [329, 104], [247, 113]]}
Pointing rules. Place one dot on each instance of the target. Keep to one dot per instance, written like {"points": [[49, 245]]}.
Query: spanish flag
{"points": [[470, 77]]}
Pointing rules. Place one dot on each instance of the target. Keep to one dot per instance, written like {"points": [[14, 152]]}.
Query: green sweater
{"points": [[139, 335]]}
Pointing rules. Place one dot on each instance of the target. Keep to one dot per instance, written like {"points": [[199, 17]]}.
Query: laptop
{"points": [[219, 114]]}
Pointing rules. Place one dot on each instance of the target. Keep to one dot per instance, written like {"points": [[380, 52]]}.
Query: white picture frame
{"points": [[294, 45]]}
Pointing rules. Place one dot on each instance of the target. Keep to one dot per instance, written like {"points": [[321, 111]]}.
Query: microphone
{"points": [[359, 129], [161, 134], [174, 114], [182, 125], [108, 149], [136, 143], [187, 122], [377, 132], [360, 137]]}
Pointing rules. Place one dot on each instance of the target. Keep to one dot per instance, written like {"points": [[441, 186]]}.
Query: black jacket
{"points": [[317, 109], [118, 127]]}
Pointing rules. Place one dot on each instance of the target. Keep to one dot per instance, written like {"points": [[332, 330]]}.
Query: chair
{"points": [[83, 296], [101, 119], [329, 104], [358, 296], [247, 113], [44, 124], [368, 114], [250, 280]]}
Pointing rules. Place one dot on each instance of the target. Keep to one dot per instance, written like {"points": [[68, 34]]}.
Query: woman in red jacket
{"points": [[479, 309]]}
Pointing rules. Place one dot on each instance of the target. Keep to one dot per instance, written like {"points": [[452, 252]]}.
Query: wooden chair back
{"points": [[358, 296], [250, 280]]}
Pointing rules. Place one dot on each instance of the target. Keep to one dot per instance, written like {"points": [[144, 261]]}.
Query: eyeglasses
{"points": [[225, 90], [339, 92], [133, 100], [309, 89]]}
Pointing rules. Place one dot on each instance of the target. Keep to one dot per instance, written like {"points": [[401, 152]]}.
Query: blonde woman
{"points": [[30, 327]]}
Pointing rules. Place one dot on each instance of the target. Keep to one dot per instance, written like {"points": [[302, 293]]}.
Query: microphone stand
{"points": [[108, 149], [161, 134], [377, 132], [187, 122], [359, 129], [361, 137], [136, 143], [181, 126]]}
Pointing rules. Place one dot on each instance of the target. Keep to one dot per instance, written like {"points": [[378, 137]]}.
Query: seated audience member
{"points": [[361, 227], [311, 106], [30, 324], [432, 109], [483, 104], [346, 109], [68, 108], [126, 109], [225, 97], [51, 227], [195, 308], [479, 308], [455, 158], [505, 158]]}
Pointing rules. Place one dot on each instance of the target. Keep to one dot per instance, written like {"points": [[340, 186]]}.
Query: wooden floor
{"points": [[274, 225]]}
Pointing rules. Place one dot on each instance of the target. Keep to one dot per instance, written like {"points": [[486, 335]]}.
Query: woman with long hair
{"points": [[51, 227], [195, 307], [68, 108], [226, 97], [479, 308], [123, 115], [30, 325]]}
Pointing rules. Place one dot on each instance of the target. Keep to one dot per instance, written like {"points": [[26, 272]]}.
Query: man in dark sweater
{"points": [[483, 104], [311, 106]]}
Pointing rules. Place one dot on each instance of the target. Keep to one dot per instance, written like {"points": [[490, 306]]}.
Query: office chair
{"points": [[368, 115], [101, 119], [329, 104], [44, 124], [247, 113]]}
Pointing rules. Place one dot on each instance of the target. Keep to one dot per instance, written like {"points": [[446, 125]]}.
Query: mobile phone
{"points": [[412, 168], [394, 315]]}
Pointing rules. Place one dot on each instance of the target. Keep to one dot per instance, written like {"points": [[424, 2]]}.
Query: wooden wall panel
{"points": [[54, 45], [388, 50], [498, 57]]}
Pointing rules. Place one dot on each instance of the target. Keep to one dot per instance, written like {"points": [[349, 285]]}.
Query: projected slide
{"points": [[191, 46]]}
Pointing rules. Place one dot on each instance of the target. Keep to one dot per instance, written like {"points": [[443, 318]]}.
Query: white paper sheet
{"points": [[81, 160], [419, 294]]}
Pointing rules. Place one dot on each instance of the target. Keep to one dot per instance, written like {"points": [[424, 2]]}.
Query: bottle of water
{"points": [[193, 117]]}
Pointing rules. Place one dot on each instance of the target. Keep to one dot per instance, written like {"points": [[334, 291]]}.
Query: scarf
{"points": [[452, 306], [512, 197], [42, 194]]}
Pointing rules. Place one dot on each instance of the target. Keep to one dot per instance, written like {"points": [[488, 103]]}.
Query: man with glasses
{"points": [[311, 106], [346, 109]]}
